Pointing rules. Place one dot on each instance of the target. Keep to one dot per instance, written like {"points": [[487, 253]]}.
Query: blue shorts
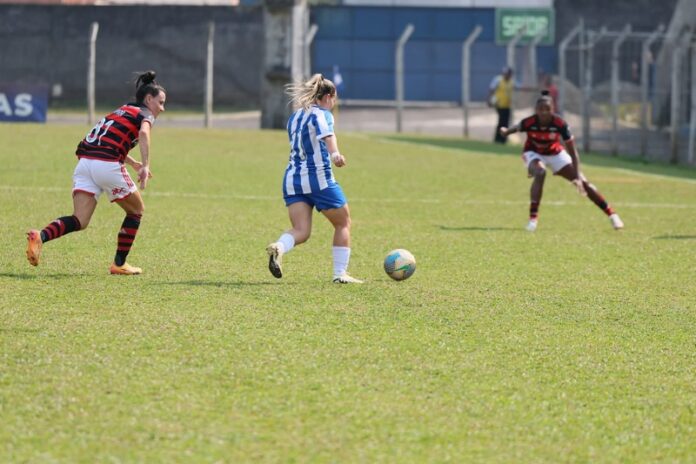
{"points": [[329, 198]]}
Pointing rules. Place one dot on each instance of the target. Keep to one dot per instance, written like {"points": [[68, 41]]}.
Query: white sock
{"points": [[287, 242], [341, 256]]}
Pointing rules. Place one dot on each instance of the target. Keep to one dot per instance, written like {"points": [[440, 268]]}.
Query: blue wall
{"points": [[362, 41]]}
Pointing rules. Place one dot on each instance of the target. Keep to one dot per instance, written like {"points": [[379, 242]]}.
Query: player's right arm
{"points": [[509, 130]]}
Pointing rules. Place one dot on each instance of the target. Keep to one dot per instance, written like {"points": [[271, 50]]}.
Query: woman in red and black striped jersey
{"points": [[545, 133], [102, 156]]}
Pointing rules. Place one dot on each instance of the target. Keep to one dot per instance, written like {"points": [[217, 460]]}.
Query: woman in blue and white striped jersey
{"points": [[309, 182]]}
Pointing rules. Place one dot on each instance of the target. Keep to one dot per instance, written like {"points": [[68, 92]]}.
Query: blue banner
{"points": [[23, 102]]}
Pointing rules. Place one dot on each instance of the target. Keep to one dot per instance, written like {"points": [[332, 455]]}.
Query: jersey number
{"points": [[295, 142], [103, 127]]}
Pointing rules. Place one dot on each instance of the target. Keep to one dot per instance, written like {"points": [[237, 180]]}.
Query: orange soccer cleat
{"points": [[34, 245], [126, 269]]}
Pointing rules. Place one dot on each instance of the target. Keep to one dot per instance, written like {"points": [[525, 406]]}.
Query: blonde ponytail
{"points": [[305, 94]]}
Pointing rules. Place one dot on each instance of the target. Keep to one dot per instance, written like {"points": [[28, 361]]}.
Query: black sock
{"points": [[59, 227]]}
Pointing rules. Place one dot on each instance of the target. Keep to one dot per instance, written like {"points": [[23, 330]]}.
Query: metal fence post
{"points": [[209, 76], [582, 40], [91, 72], [466, 74], [511, 46], [592, 39], [311, 33], [560, 104], [675, 110], [674, 103], [400, 73], [615, 48], [644, 89], [533, 58], [692, 115]]}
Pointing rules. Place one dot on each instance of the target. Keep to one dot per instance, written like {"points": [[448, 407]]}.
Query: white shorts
{"points": [[96, 176], [555, 162]]}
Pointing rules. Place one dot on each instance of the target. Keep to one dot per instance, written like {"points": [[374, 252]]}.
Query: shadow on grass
{"points": [[25, 276], [210, 283], [675, 237], [628, 162], [18, 330], [478, 229]]}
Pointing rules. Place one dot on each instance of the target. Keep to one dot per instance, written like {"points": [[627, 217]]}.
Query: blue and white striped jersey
{"points": [[309, 167]]}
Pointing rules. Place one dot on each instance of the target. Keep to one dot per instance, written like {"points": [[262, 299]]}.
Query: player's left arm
{"points": [[327, 134], [144, 143], [569, 142], [575, 156], [332, 146], [135, 164]]}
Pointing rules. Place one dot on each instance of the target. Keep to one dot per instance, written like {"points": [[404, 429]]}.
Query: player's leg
{"points": [[134, 208], [113, 178], [85, 194], [568, 172], [537, 171], [300, 213], [340, 219], [84, 205]]}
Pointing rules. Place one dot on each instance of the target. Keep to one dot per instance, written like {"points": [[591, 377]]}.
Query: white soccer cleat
{"points": [[346, 279], [616, 221], [275, 259], [531, 225]]}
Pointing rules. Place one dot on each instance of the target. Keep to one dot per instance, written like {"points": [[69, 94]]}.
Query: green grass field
{"points": [[573, 344]]}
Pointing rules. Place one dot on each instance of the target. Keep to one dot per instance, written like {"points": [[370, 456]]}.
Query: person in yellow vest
{"points": [[500, 97]]}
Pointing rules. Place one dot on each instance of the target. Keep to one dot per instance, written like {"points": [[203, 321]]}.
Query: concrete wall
{"points": [[49, 44], [644, 15], [362, 41]]}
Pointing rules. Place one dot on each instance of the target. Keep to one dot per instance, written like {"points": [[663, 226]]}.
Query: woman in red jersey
{"points": [[102, 156], [545, 131]]}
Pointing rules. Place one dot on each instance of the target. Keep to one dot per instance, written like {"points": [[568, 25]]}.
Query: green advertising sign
{"points": [[508, 22]]}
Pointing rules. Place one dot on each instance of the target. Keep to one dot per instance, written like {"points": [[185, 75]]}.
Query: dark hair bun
{"points": [[545, 93], [145, 78]]}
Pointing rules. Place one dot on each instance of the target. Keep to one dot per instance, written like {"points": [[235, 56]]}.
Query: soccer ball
{"points": [[399, 264]]}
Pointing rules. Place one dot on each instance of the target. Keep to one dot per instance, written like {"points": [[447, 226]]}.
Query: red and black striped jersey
{"points": [[545, 140], [115, 135]]}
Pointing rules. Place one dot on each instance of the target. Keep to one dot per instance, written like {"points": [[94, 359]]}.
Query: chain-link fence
{"points": [[627, 93]]}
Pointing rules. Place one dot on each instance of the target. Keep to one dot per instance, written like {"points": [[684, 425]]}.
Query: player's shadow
{"points": [[214, 283], [18, 330], [675, 237], [26, 276], [477, 229]]}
